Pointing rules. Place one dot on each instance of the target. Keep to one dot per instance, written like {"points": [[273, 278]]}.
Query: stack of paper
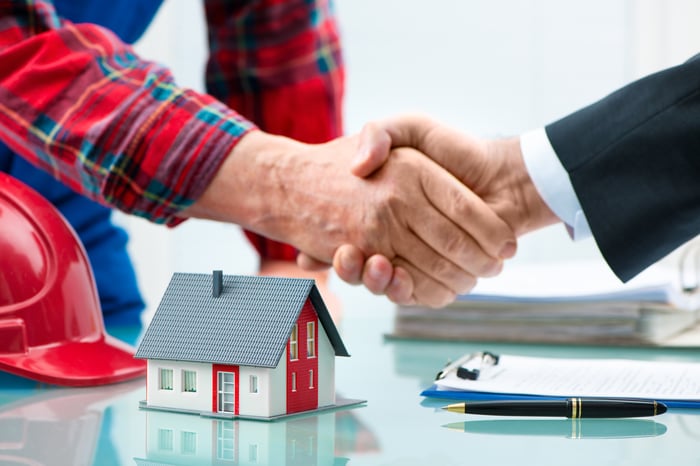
{"points": [[569, 303]]}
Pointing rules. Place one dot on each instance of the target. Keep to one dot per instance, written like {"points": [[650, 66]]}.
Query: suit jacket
{"points": [[634, 161]]}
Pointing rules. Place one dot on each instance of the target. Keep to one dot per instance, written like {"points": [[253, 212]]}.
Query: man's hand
{"points": [[410, 211], [494, 170]]}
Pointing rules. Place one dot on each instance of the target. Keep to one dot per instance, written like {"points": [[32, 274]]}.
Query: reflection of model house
{"points": [[258, 347], [174, 439]]}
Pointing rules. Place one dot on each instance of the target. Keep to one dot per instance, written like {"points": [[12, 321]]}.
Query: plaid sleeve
{"points": [[79, 103], [278, 63]]}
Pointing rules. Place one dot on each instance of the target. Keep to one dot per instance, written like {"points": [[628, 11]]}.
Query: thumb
{"points": [[378, 138], [373, 150]]}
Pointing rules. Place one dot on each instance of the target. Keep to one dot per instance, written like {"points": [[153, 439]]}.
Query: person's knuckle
{"points": [[462, 204], [458, 245], [443, 270], [488, 267]]}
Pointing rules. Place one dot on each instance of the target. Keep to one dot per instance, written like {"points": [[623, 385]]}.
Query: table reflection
{"points": [[58, 425], [181, 439], [569, 428]]}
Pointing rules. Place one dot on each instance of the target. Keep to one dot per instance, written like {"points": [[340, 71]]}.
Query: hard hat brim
{"points": [[77, 363]]}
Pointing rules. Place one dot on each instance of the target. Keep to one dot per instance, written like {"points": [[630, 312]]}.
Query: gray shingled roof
{"points": [[248, 324]]}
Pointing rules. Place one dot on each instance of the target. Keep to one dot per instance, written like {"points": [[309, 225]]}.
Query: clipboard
{"points": [[677, 384]]}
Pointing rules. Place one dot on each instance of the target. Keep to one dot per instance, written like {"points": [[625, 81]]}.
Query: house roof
{"points": [[248, 324]]}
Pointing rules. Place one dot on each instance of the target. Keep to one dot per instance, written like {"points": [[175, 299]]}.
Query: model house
{"points": [[240, 346]]}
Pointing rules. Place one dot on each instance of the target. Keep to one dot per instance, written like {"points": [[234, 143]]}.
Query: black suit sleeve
{"points": [[634, 161]]}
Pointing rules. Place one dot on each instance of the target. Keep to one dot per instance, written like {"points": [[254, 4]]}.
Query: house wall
{"points": [[177, 398], [326, 369], [271, 399]]}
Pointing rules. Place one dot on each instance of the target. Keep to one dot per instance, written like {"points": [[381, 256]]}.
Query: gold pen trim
{"points": [[575, 408], [456, 408]]}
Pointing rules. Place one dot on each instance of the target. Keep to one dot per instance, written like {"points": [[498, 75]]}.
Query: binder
{"points": [[677, 384], [574, 302]]}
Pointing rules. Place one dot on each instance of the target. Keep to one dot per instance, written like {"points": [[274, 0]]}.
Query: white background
{"points": [[491, 68]]}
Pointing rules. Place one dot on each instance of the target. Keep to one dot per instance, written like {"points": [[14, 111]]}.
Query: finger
{"points": [[426, 290], [450, 241], [348, 262], [373, 150], [458, 152], [400, 289], [470, 213], [431, 264], [307, 262], [377, 274], [407, 130]]}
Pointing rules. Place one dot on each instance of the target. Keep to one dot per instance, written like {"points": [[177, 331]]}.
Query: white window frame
{"points": [[311, 339], [189, 381], [165, 379], [294, 381], [253, 384], [224, 397], [311, 378], [294, 344]]}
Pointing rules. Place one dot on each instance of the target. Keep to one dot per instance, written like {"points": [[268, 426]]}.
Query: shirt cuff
{"points": [[552, 182]]}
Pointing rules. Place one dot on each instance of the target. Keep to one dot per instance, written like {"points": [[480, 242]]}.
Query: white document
{"points": [[582, 281], [625, 378]]}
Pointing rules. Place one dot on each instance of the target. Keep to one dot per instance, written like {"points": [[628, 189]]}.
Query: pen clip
{"points": [[470, 366], [483, 361]]}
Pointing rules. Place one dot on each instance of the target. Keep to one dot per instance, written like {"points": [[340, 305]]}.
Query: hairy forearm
{"points": [[285, 190], [248, 188]]}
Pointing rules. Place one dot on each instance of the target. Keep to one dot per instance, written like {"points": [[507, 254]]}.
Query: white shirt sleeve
{"points": [[553, 183]]}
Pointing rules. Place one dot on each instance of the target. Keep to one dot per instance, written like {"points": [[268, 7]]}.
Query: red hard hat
{"points": [[51, 326]]}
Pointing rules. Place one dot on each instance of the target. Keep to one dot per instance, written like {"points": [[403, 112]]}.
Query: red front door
{"points": [[225, 392]]}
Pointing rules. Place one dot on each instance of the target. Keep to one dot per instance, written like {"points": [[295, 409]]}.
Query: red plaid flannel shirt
{"points": [[81, 104]]}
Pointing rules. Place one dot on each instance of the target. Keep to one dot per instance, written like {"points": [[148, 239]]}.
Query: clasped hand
{"points": [[457, 226], [410, 208]]}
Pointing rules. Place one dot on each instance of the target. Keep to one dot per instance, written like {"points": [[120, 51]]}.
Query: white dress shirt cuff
{"points": [[553, 183]]}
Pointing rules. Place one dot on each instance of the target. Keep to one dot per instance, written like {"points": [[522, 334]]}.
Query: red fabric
{"points": [[305, 112], [278, 63], [80, 104]]}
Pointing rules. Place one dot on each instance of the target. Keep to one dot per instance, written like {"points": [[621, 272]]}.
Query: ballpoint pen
{"points": [[571, 407]]}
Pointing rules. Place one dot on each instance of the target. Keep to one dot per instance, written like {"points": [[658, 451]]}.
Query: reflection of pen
{"points": [[572, 408], [574, 428]]}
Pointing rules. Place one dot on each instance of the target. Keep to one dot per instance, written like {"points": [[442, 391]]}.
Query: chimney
{"points": [[217, 283]]}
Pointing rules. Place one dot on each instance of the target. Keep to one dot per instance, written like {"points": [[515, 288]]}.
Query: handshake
{"points": [[410, 208], [452, 208]]}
